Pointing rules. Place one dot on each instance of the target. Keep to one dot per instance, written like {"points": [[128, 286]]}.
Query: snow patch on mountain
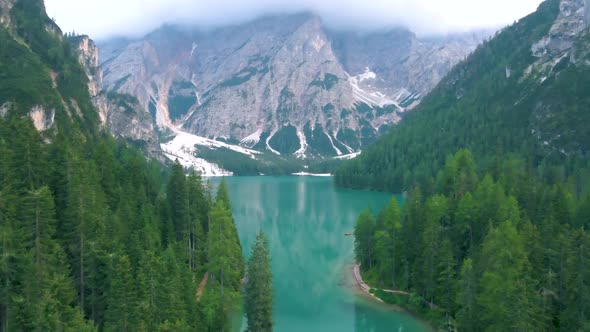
{"points": [[348, 156], [338, 152], [184, 148], [303, 142], [252, 139], [364, 93], [350, 150]]}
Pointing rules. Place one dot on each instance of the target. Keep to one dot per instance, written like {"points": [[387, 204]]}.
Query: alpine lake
{"points": [[305, 220]]}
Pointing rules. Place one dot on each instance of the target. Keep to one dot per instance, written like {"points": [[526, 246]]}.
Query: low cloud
{"points": [[106, 18]]}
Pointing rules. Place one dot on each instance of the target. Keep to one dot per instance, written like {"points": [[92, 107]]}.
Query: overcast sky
{"points": [[106, 18]]}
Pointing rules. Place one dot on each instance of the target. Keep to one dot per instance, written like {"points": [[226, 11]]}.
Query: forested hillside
{"points": [[497, 240], [39, 71], [502, 100], [93, 236], [496, 251]]}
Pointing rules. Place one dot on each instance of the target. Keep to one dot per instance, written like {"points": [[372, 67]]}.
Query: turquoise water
{"points": [[305, 220]]}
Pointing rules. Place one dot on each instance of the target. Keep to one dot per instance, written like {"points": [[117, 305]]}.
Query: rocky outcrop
{"points": [[121, 114], [42, 119], [4, 109], [88, 57], [285, 84], [126, 119], [571, 22], [5, 7]]}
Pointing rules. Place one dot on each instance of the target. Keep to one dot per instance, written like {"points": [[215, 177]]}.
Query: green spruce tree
{"points": [[259, 292]]}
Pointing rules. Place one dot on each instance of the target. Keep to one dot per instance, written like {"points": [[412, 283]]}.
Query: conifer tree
{"points": [[122, 306], [259, 291], [507, 296], [467, 297], [224, 259], [364, 232]]}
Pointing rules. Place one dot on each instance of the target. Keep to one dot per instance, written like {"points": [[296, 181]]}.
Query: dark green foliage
{"points": [[127, 102], [364, 240], [180, 105], [328, 108], [368, 133], [285, 141], [483, 255], [23, 78], [286, 105], [115, 254], [327, 83], [180, 99], [319, 140], [153, 109], [244, 76], [350, 138], [259, 293], [243, 165], [225, 260]]}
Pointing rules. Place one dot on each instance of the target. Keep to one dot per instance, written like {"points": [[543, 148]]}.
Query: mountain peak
{"points": [[282, 83]]}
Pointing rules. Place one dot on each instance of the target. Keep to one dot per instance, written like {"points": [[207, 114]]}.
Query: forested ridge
{"points": [[492, 237], [490, 106], [94, 237], [497, 251]]}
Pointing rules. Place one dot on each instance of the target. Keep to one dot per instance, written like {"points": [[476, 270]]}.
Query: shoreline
{"points": [[354, 274], [361, 286]]}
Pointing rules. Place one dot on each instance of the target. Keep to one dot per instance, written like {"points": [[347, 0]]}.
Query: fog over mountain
{"points": [[106, 18]]}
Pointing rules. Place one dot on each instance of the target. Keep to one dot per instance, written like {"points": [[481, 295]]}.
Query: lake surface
{"points": [[305, 220]]}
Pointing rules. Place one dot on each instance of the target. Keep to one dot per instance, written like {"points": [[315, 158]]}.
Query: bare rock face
{"points": [[284, 84], [562, 45], [571, 22], [88, 57], [42, 119], [5, 7], [4, 109], [120, 113]]}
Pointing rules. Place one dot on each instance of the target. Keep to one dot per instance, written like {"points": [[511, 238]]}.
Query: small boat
{"points": [[348, 234]]}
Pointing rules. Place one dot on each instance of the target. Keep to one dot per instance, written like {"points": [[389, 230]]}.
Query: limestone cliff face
{"points": [[121, 114], [88, 56], [297, 83], [571, 22], [279, 80]]}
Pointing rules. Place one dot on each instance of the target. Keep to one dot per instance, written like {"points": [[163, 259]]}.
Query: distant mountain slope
{"points": [[284, 84], [523, 92]]}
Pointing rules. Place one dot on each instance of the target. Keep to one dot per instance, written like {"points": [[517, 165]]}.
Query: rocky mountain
{"points": [[281, 84], [522, 94], [121, 114]]}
